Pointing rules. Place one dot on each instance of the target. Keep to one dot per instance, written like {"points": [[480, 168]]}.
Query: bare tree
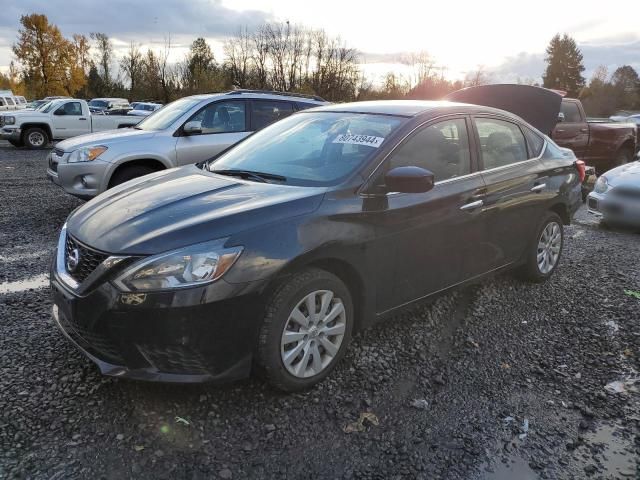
{"points": [[131, 65], [104, 56]]}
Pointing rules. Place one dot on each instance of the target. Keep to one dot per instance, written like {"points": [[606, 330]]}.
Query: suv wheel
{"points": [[543, 255], [129, 173], [35, 138], [306, 330]]}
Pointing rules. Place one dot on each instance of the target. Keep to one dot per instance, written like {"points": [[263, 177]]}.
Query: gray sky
{"points": [[508, 38]]}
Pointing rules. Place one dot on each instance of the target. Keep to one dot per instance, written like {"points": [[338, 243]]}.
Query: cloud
{"points": [[137, 20], [532, 65]]}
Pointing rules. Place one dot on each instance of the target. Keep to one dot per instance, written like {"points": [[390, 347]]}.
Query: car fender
{"points": [[129, 157]]}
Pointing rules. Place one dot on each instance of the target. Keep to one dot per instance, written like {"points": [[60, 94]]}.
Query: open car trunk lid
{"points": [[537, 106]]}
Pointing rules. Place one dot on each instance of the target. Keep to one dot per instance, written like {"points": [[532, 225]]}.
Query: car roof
{"points": [[253, 94], [410, 108]]}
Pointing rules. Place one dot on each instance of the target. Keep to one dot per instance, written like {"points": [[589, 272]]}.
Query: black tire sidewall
{"points": [[278, 310], [25, 138], [129, 173]]}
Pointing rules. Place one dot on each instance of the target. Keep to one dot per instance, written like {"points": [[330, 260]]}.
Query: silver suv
{"points": [[186, 131]]}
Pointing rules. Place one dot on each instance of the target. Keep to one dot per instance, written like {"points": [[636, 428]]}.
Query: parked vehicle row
{"points": [[56, 120], [269, 255], [189, 130], [9, 101]]}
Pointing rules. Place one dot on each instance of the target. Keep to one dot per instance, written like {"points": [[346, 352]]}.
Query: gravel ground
{"points": [[496, 381]]}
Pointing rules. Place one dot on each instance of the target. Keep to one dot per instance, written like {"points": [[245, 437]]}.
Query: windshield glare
{"points": [[165, 116], [311, 148]]}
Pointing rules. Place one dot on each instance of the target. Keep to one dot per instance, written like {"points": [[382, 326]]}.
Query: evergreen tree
{"points": [[564, 66]]}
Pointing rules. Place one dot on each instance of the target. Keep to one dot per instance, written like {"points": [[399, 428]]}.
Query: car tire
{"points": [[546, 245], [35, 138], [291, 365], [16, 143], [129, 173], [623, 156]]}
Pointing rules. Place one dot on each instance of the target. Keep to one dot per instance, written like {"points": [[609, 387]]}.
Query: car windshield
{"points": [[310, 148], [164, 117], [98, 103], [47, 107]]}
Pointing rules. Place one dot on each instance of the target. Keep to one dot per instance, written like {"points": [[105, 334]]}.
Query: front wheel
{"points": [[543, 254], [624, 156], [306, 330], [35, 138]]}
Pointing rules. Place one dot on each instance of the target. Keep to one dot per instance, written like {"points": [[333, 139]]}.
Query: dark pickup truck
{"points": [[599, 143]]}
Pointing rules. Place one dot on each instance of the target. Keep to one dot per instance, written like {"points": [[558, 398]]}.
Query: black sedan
{"points": [[269, 257]]}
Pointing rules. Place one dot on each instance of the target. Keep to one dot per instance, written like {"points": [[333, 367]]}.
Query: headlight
{"points": [[601, 185], [191, 266], [87, 154], [9, 120]]}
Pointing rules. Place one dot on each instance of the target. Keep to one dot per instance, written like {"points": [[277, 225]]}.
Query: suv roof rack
{"points": [[272, 92]]}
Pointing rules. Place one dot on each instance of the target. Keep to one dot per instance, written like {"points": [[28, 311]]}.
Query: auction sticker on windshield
{"points": [[368, 140]]}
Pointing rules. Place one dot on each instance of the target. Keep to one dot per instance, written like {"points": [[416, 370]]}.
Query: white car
{"points": [[57, 120], [616, 196], [143, 109]]}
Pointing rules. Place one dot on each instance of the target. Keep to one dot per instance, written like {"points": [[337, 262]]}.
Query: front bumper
{"points": [[184, 336], [82, 179], [8, 133], [612, 209]]}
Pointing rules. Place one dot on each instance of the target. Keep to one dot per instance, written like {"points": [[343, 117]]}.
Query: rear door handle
{"points": [[472, 205], [584, 130], [559, 130], [538, 188], [82, 118]]}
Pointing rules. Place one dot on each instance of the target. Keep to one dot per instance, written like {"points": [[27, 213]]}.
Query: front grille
{"points": [[175, 359], [91, 340], [1, 121], [627, 192], [88, 259]]}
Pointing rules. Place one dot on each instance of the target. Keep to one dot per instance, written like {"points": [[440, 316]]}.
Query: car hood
{"points": [[627, 175], [103, 138], [535, 105], [183, 206]]}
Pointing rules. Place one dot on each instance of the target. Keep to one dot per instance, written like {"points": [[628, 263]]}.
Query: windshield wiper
{"points": [[249, 174]]}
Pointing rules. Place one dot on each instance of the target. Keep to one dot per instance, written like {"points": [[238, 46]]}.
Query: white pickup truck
{"points": [[60, 119]]}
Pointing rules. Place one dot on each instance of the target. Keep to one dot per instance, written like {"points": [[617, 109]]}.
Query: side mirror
{"points": [[560, 117], [192, 128], [409, 180]]}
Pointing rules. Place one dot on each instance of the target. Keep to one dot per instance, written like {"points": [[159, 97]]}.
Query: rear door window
{"points": [[265, 112], [534, 141], [501, 143]]}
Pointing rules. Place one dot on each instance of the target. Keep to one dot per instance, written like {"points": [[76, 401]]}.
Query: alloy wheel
{"points": [[313, 334], [549, 246]]}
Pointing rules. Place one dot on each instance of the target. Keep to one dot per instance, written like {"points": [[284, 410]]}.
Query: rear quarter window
{"points": [[534, 141]]}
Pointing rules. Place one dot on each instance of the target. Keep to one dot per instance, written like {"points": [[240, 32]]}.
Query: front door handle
{"points": [[82, 118], [472, 205], [584, 130], [538, 188], [559, 130]]}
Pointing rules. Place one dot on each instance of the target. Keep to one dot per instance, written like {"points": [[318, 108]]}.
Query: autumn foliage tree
{"points": [[47, 62]]}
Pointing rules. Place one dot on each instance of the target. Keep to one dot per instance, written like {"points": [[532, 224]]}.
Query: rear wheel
{"points": [[306, 330], [543, 255], [624, 156], [129, 173], [35, 138]]}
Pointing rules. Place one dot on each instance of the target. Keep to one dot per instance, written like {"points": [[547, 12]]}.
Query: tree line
{"points": [[274, 56]]}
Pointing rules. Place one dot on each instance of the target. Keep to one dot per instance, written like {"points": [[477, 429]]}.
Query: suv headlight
{"points": [[187, 267], [602, 185], [8, 120], [87, 154]]}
